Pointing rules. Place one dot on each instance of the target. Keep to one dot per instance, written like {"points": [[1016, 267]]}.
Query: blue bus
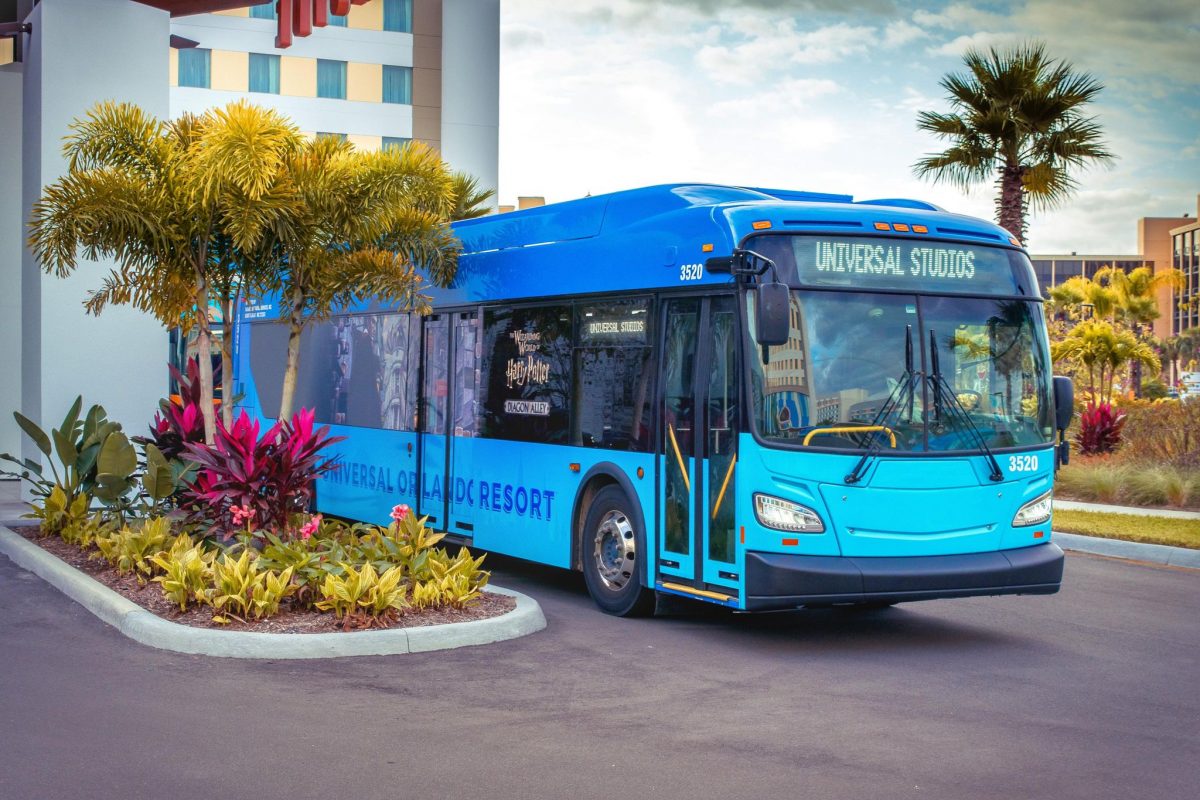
{"points": [[759, 398]]}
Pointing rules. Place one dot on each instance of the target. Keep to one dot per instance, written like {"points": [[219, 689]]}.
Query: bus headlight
{"points": [[1035, 512], [784, 515]]}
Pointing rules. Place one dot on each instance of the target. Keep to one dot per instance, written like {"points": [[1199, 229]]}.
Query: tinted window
{"points": [[526, 374], [613, 381]]}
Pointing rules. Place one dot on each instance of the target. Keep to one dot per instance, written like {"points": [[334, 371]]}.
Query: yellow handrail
{"points": [[724, 486], [679, 456], [865, 428]]}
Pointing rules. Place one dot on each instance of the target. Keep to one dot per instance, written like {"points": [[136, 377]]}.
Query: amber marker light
{"points": [[761, 225], [900, 226], [641, 473], [574, 467], [743, 536], [1039, 535], [790, 542], [1014, 242], [706, 248], [920, 229], [882, 226]]}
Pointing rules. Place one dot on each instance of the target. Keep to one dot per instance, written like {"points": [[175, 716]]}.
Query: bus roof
{"points": [[641, 238]]}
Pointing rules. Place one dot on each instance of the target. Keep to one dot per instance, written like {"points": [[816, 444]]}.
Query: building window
{"points": [[195, 67], [397, 84], [337, 21], [390, 142], [264, 73], [331, 79], [397, 16], [341, 137], [265, 11]]}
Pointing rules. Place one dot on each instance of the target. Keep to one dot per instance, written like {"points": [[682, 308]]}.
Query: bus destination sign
{"points": [[904, 264]]}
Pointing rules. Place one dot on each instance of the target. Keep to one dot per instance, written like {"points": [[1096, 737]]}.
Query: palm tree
{"points": [[1017, 116], [1082, 298], [362, 225], [469, 200], [1136, 301], [1103, 351], [173, 204]]}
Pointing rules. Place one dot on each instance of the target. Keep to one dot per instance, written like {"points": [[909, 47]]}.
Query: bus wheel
{"points": [[611, 550]]}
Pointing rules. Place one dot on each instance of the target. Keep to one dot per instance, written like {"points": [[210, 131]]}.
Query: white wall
{"points": [[11, 78], [82, 52], [471, 88], [311, 114], [220, 32]]}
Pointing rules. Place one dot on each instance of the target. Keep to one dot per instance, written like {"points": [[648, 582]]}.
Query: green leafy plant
{"points": [[453, 582], [131, 549], [241, 589], [57, 511], [86, 455], [186, 572], [362, 597]]}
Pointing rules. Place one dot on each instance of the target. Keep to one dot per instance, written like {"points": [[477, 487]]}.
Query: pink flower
{"points": [[311, 527], [400, 512], [243, 514]]}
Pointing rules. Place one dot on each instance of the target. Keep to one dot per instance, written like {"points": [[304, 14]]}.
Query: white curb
{"points": [[150, 629], [1135, 551]]}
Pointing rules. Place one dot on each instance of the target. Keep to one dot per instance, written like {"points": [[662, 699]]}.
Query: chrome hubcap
{"points": [[615, 550]]}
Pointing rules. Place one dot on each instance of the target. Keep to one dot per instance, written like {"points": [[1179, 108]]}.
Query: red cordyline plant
{"points": [[178, 422], [257, 484], [1099, 428]]}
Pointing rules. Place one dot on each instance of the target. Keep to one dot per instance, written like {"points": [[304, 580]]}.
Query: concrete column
{"points": [[10, 255], [471, 88], [82, 52]]}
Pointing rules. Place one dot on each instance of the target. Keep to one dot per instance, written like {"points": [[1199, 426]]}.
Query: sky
{"points": [[822, 95]]}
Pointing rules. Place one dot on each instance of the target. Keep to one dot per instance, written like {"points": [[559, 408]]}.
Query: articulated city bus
{"points": [[759, 398]]}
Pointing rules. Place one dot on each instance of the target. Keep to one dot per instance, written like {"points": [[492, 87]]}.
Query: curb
{"points": [[1134, 551], [150, 629], [1102, 508]]}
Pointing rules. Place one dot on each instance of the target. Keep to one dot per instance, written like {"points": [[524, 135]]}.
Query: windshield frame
{"points": [[751, 421]]}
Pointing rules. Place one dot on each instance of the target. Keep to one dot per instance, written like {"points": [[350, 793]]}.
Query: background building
{"points": [[1162, 242], [434, 77]]}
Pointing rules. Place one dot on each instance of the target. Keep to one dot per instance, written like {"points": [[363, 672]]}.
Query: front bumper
{"points": [[781, 580]]}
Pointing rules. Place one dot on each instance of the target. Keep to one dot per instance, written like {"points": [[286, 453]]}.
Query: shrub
{"points": [[1160, 486], [241, 589], [1167, 432], [1100, 480], [1099, 428], [131, 549], [363, 598], [257, 484], [186, 572]]}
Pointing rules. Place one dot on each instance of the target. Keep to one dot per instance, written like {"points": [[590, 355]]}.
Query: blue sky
{"points": [[601, 95]]}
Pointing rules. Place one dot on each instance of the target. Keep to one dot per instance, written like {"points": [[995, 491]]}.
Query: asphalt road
{"points": [[1091, 693]]}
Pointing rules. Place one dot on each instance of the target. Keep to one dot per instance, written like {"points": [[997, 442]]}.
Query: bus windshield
{"points": [[846, 356]]}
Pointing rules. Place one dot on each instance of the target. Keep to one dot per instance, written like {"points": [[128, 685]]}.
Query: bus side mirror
{"points": [[771, 306], [1064, 402], [1064, 410]]}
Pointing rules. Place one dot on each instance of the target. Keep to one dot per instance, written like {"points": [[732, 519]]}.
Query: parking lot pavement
{"points": [[1089, 693]]}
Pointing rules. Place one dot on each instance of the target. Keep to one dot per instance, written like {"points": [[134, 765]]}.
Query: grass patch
{"points": [[1130, 527], [1102, 480]]}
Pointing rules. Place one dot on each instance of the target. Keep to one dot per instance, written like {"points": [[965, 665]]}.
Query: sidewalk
{"points": [[1072, 505]]}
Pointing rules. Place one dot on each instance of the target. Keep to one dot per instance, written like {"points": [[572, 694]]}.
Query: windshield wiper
{"points": [[942, 389], [902, 395]]}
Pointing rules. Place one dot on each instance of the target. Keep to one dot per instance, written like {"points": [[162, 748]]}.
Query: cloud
{"points": [[900, 33], [981, 40], [516, 36], [769, 49]]}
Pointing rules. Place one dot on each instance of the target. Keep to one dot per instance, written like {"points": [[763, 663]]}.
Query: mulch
{"points": [[290, 619]]}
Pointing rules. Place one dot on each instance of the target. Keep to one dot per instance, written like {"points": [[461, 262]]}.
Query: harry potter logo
{"points": [[527, 370], [526, 342]]}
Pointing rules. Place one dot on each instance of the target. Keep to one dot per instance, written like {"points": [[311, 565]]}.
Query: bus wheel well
{"points": [[582, 503]]}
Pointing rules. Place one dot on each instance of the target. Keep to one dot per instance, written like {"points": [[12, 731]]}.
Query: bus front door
{"points": [[433, 419], [697, 449]]}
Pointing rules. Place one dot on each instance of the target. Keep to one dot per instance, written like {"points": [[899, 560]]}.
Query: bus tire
{"points": [[613, 555]]}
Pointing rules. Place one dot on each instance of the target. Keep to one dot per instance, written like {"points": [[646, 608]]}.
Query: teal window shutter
{"points": [[390, 142], [336, 22], [331, 79], [397, 16], [263, 12], [397, 84], [264, 73], [195, 67]]}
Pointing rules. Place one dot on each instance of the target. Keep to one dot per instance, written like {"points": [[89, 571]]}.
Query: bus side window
{"points": [[612, 376]]}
